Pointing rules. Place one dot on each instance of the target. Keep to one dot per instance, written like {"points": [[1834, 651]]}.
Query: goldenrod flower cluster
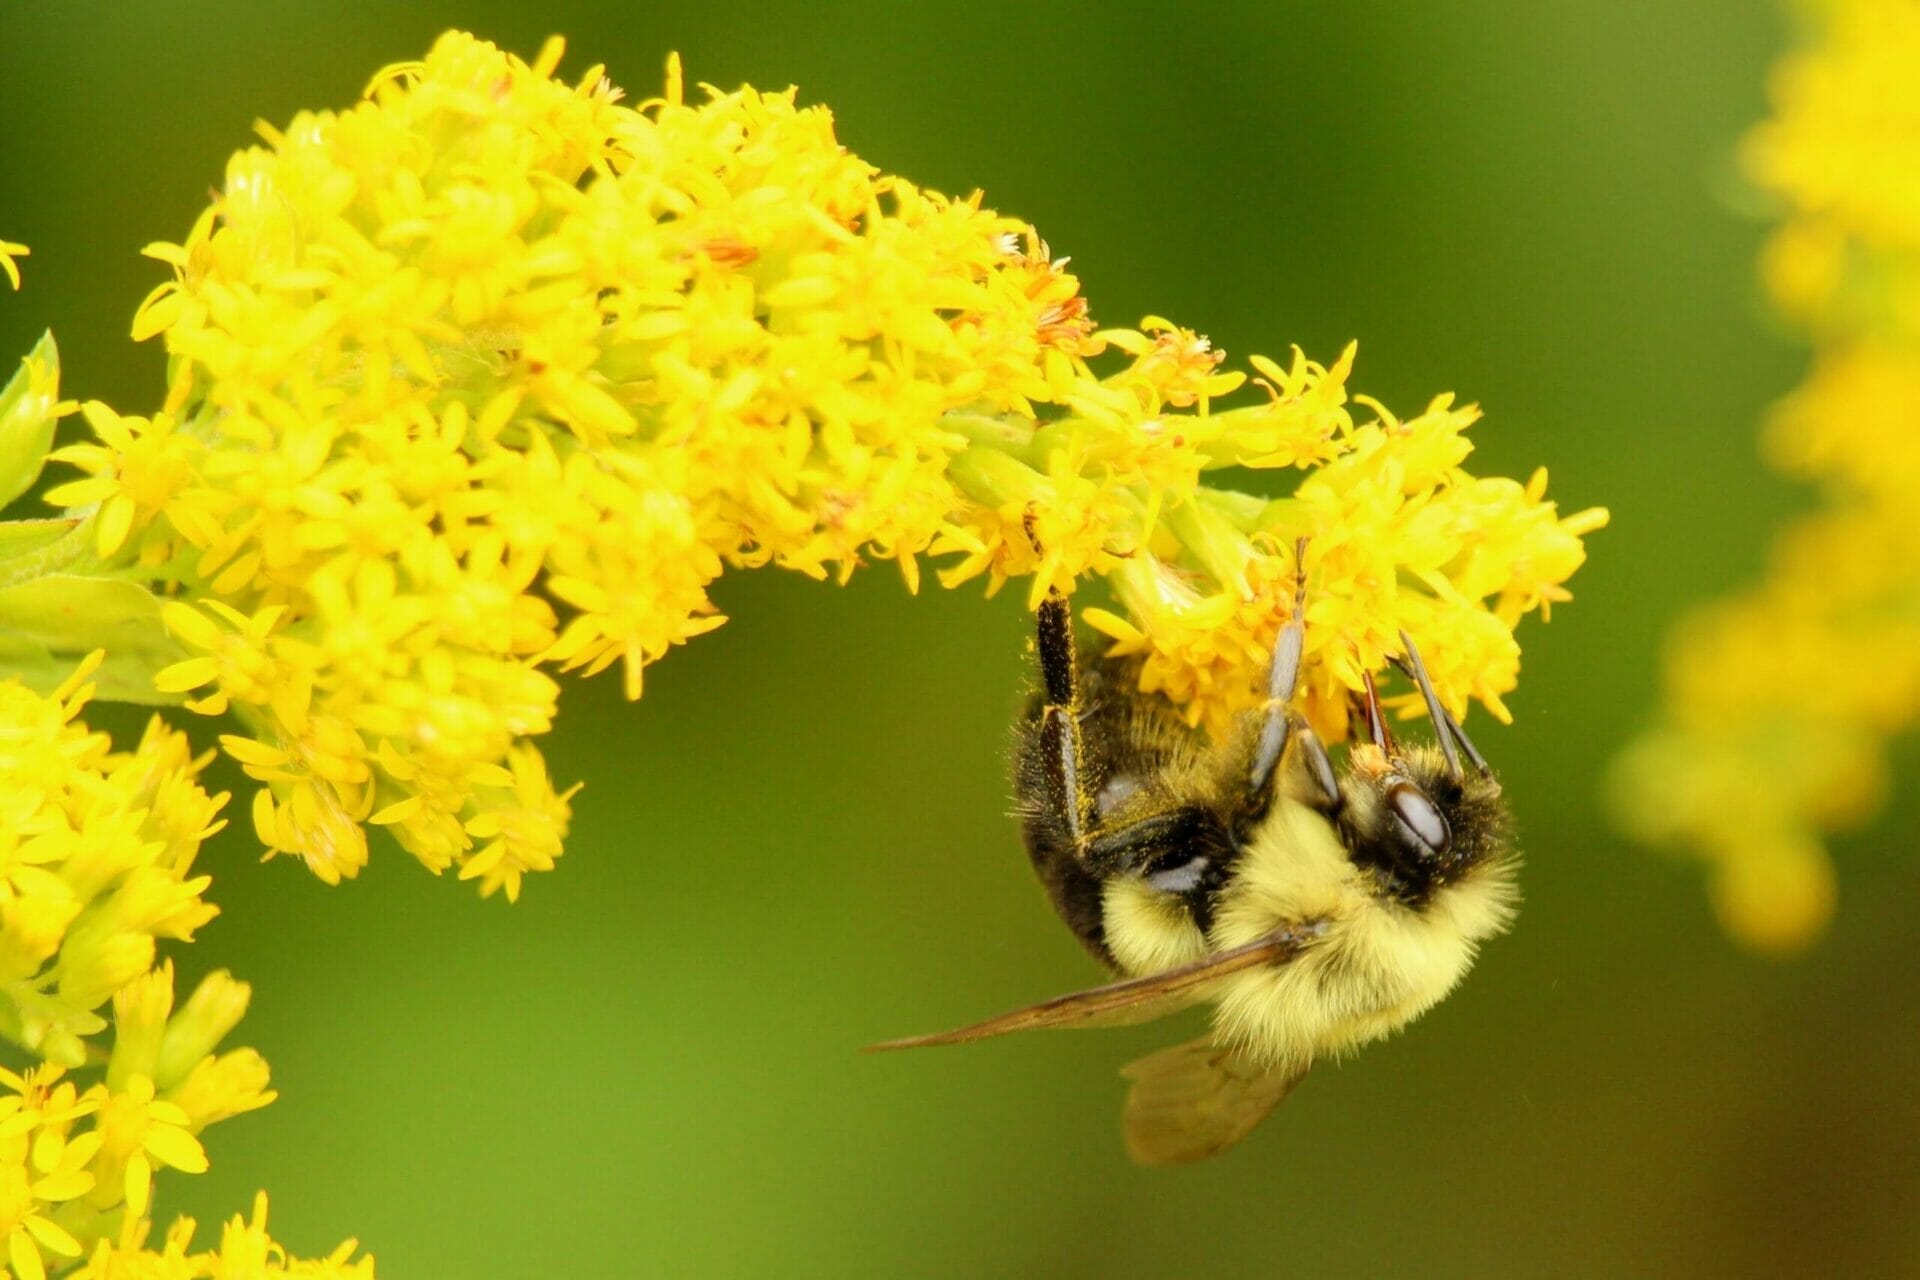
{"points": [[488, 378], [96, 864], [1780, 700], [492, 375]]}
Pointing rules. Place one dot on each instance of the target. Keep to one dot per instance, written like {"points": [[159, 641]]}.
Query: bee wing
{"points": [[1131, 1001], [1197, 1099]]}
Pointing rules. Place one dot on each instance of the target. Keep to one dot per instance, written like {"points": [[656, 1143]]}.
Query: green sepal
{"points": [[28, 411], [48, 624], [1280, 515], [989, 476], [21, 540]]}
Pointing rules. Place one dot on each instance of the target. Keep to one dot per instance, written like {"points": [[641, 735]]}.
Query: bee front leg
{"points": [[1281, 735], [1277, 721]]}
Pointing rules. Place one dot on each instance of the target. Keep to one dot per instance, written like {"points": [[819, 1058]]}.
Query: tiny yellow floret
{"points": [[9, 251]]}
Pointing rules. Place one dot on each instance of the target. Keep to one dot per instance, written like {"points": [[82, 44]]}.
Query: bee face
{"points": [[1416, 821], [1408, 871]]}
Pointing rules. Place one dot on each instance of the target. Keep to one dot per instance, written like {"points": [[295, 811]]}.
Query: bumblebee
{"points": [[1316, 908]]}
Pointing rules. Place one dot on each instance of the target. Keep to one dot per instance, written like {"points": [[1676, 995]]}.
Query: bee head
{"points": [[1417, 816], [1417, 822]]}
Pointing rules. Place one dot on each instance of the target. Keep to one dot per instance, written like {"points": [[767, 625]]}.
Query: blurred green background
{"points": [[796, 844]]}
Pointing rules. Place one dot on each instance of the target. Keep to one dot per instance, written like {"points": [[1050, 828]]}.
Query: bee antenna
{"points": [[1466, 743], [1445, 728]]}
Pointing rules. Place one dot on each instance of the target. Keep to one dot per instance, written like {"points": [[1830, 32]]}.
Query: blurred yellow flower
{"points": [[1780, 700]]}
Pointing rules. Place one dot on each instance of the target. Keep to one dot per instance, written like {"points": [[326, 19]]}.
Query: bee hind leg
{"points": [[1180, 849], [1062, 752]]}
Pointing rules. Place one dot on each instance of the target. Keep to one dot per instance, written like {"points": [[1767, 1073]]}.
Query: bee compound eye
{"points": [[1422, 826], [1178, 874]]}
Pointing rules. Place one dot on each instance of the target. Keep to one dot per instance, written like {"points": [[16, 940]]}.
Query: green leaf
{"points": [[29, 406], [48, 624]]}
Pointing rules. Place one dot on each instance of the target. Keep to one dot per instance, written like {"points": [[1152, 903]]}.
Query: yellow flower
{"points": [[8, 252], [1838, 146], [1780, 700], [138, 1131], [173, 1049], [163, 1085], [134, 473], [522, 824], [33, 1180], [1397, 537], [41, 1169], [246, 1252], [96, 861], [221, 1086], [493, 375]]}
